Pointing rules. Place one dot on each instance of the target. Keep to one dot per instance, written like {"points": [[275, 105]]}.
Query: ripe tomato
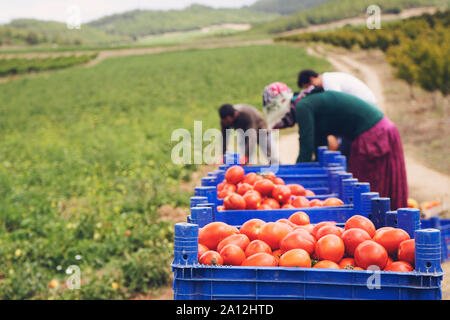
{"points": [[326, 264], [220, 208], [370, 253], [232, 255], [201, 250], [214, 232], [307, 227], [273, 232], [407, 251], [361, 222], [333, 202], [330, 247], [287, 206], [352, 238], [211, 258], [391, 239], [251, 178], [278, 181], [278, 253], [295, 258], [347, 263], [265, 206], [399, 266], [241, 240], [257, 246], [292, 225], [243, 188], [309, 193], [264, 187], [274, 204], [260, 260], [328, 229], [234, 201], [298, 239], [297, 189], [281, 193], [300, 202], [320, 225], [316, 203], [234, 174], [381, 230], [252, 200], [389, 262], [221, 185], [270, 176], [299, 218], [251, 228]]}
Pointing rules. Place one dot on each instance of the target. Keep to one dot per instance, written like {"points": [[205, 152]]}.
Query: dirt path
{"points": [[406, 13]]}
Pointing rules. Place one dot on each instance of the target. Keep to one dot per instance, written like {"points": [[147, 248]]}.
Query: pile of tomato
{"points": [[295, 242], [251, 191]]}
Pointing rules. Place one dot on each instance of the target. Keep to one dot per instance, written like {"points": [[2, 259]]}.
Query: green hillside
{"points": [[33, 32], [138, 23], [335, 10], [285, 6]]}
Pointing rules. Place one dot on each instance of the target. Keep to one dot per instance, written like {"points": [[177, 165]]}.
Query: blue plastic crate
{"points": [[444, 226], [193, 281]]}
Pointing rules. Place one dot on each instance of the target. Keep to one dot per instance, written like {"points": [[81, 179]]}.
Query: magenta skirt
{"points": [[377, 157]]}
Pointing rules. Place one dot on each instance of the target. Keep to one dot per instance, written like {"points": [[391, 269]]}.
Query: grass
{"points": [[85, 163]]}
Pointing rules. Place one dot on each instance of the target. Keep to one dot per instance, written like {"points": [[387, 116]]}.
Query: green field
{"points": [[85, 163]]}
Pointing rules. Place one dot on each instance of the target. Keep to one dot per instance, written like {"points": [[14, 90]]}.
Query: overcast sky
{"points": [[91, 9]]}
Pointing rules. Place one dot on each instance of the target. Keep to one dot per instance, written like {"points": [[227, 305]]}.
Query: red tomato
{"points": [[264, 187], [252, 200], [328, 229], [243, 188], [320, 225], [295, 258], [307, 227], [287, 206], [274, 204], [352, 238], [221, 185], [241, 240], [326, 264], [270, 176], [370, 253], [292, 225], [227, 189], [407, 251], [211, 258], [234, 174], [399, 266], [251, 228], [278, 253], [234, 202], [391, 239], [330, 247], [309, 193], [300, 202], [232, 255], [296, 189], [265, 206], [251, 178], [299, 218], [278, 181], [214, 232], [347, 263], [281, 193], [316, 203], [361, 222], [388, 263], [201, 250], [298, 239], [333, 202], [260, 260], [220, 208], [381, 230], [257, 246], [273, 232]]}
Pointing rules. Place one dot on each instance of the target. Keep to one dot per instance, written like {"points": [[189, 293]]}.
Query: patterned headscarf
{"points": [[277, 98], [273, 90]]}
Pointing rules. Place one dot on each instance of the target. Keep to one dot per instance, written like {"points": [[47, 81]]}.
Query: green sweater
{"points": [[331, 113]]}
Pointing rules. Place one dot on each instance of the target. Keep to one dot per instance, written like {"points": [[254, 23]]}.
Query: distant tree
{"points": [[32, 38]]}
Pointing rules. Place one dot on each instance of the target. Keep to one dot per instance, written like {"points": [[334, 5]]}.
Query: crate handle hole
{"points": [[428, 264], [185, 256]]}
